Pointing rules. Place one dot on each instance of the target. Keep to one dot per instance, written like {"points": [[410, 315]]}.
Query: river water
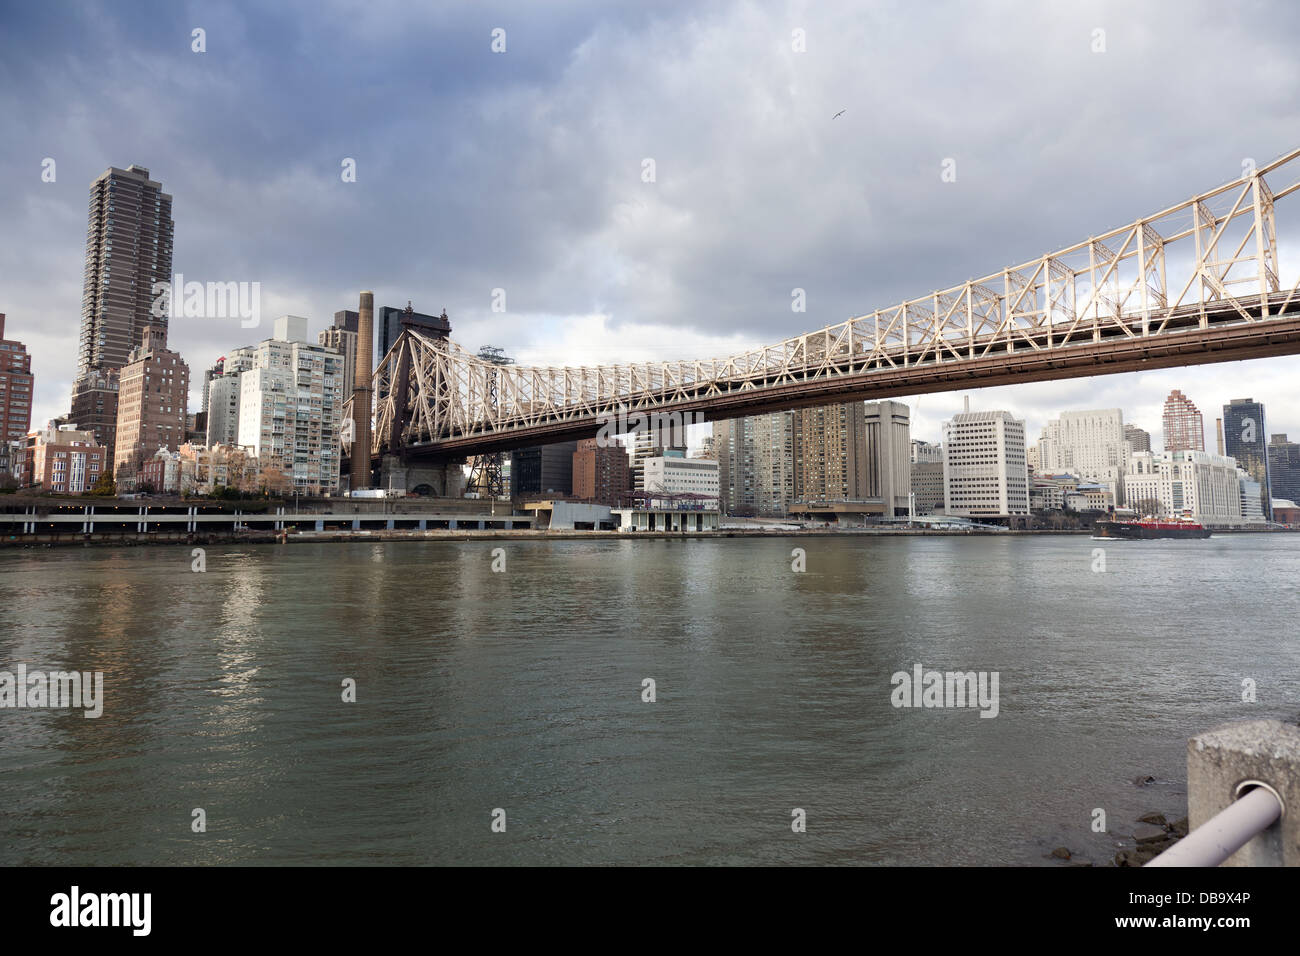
{"points": [[521, 690]]}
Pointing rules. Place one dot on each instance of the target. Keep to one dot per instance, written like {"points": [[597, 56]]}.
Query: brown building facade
{"points": [[601, 475], [830, 453], [94, 406], [151, 406], [128, 252], [16, 387]]}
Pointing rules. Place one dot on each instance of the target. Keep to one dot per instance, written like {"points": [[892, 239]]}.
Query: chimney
{"points": [[966, 405], [361, 398]]}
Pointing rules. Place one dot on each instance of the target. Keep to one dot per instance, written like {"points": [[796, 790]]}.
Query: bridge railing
{"points": [[1212, 259]]}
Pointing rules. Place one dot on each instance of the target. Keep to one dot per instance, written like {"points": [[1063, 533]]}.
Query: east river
{"points": [[520, 697]]}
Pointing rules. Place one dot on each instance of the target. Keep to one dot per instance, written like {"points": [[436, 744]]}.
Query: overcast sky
{"points": [[522, 170]]}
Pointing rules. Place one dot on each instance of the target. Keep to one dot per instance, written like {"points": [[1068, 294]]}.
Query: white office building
{"points": [[290, 403], [984, 466], [675, 475], [1194, 483], [1091, 445], [923, 451]]}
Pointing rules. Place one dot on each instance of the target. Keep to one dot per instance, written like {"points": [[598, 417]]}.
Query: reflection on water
{"points": [[522, 690]]}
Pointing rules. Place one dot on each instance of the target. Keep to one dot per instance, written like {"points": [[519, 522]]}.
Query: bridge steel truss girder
{"points": [[1195, 283]]}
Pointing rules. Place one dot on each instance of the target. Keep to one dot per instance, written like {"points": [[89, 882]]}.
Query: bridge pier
{"points": [[445, 479]]}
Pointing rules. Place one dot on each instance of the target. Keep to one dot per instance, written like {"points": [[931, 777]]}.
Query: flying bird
{"points": [[838, 115]]}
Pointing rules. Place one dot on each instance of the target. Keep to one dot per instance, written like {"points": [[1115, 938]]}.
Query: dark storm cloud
{"points": [[523, 170]]}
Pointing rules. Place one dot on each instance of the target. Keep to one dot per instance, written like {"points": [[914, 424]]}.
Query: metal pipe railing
{"points": [[1226, 832]]}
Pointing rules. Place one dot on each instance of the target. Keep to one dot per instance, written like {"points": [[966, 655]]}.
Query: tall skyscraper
{"points": [[1183, 423], [16, 388], [128, 249], [1244, 440], [152, 403], [1284, 468]]}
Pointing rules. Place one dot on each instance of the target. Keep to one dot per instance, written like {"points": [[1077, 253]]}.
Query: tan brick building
{"points": [[152, 399]]}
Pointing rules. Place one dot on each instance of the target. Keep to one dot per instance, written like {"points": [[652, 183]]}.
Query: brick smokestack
{"points": [[361, 398]]}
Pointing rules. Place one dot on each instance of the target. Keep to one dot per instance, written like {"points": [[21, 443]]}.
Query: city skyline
{"points": [[613, 267]]}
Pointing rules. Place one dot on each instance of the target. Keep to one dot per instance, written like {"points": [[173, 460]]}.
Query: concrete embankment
{"points": [[131, 539]]}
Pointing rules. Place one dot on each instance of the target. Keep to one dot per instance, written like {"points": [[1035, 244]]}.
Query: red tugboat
{"points": [[1151, 527]]}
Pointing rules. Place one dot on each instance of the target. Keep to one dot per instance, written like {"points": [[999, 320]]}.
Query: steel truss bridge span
{"points": [[1196, 283]]}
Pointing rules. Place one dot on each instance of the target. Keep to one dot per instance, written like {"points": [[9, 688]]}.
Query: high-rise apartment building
{"points": [[152, 403], [755, 456], [1183, 423], [342, 337], [1244, 440], [773, 462], [985, 471], [1284, 468], [128, 250], [733, 444], [290, 406], [222, 423], [1138, 439], [829, 446], [209, 375], [17, 386]]}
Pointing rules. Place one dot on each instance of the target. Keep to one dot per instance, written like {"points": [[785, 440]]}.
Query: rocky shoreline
{"points": [[1155, 835]]}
